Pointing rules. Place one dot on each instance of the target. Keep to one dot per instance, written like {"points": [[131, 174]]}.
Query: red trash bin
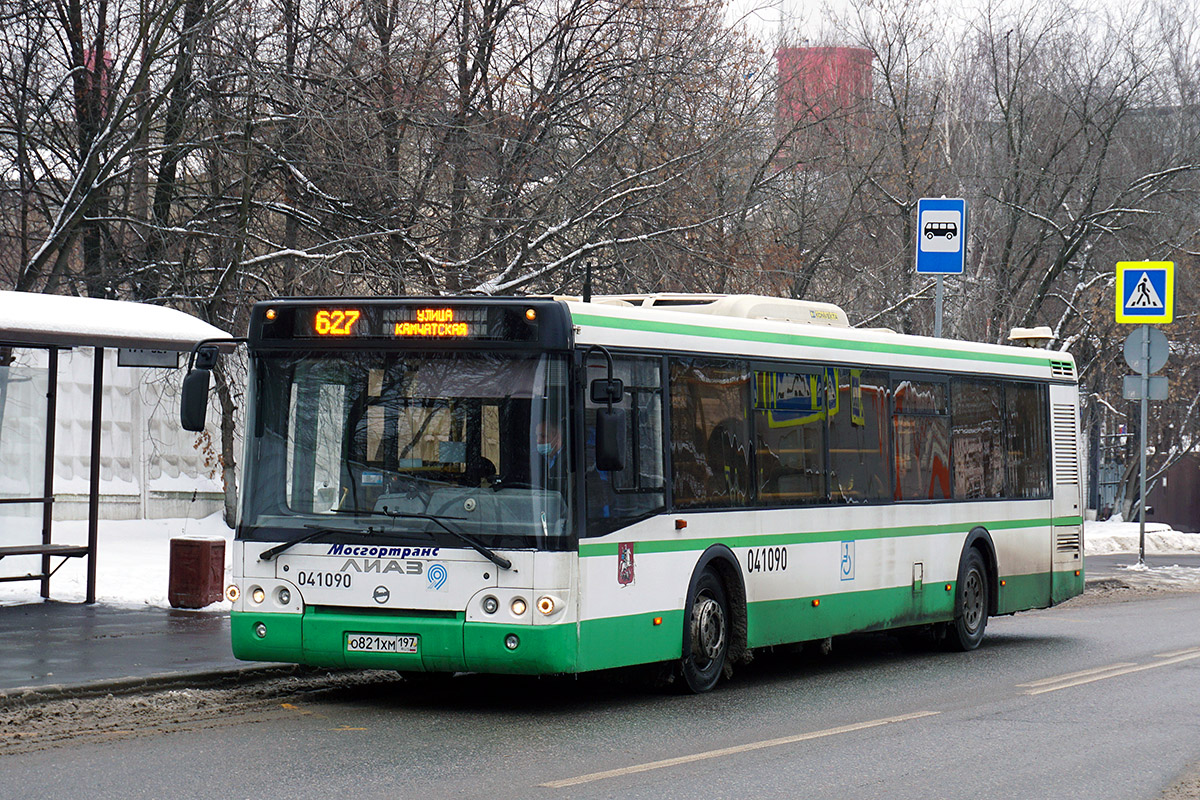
{"points": [[197, 571]]}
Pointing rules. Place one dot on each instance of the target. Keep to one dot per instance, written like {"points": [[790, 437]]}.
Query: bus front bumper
{"points": [[444, 644]]}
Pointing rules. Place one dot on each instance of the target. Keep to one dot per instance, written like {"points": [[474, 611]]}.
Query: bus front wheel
{"points": [[706, 635], [971, 604]]}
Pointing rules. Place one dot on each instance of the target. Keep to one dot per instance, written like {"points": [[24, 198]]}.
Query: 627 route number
{"points": [[766, 559], [336, 322]]}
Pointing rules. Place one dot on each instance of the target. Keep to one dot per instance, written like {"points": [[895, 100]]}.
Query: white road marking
{"points": [[729, 751], [1174, 653], [1116, 670], [1072, 675]]}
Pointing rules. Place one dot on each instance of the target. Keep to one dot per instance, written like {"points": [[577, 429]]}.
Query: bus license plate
{"points": [[381, 643]]}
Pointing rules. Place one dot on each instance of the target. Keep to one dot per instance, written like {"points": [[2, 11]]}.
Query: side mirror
{"points": [[193, 404], [606, 391], [610, 438], [193, 401]]}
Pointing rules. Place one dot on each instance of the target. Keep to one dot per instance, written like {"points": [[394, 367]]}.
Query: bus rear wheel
{"points": [[970, 605], [706, 635]]}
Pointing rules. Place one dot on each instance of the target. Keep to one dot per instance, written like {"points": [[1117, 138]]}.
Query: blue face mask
{"points": [[545, 448]]}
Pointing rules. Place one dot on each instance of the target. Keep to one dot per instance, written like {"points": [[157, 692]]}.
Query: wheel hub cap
{"points": [[708, 629], [972, 601]]}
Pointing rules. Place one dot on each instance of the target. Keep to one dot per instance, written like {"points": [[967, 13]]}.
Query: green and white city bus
{"points": [[542, 485]]}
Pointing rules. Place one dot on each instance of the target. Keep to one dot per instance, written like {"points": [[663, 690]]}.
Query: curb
{"points": [[236, 676]]}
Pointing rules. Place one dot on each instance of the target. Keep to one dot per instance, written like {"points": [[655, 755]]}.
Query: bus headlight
{"points": [[545, 605], [257, 595], [284, 596], [518, 606], [490, 605]]}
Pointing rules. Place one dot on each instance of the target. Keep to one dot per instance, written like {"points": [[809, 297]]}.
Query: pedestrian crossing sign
{"points": [[1145, 291]]}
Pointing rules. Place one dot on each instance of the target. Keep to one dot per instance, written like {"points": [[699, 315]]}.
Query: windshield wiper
{"points": [[497, 559], [321, 530], [318, 531]]}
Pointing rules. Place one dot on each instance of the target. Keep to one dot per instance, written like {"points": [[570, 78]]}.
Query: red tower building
{"points": [[823, 84]]}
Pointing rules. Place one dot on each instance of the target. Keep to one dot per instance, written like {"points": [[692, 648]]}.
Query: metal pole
{"points": [[48, 475], [94, 478], [1144, 443], [937, 309]]}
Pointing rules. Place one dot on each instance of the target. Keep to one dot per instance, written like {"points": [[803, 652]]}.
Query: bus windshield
{"points": [[402, 445]]}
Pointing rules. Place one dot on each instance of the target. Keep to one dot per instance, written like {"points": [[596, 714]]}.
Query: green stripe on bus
{"points": [[590, 550], [772, 622], [653, 326], [635, 639], [620, 641], [1023, 592], [782, 621]]}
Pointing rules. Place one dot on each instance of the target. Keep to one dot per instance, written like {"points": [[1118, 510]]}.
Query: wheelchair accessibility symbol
{"points": [[847, 563]]}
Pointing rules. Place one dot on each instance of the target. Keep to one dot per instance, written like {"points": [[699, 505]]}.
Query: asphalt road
{"points": [[1091, 699]]}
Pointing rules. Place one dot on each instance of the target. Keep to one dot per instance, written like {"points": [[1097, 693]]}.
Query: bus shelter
{"points": [[34, 330]]}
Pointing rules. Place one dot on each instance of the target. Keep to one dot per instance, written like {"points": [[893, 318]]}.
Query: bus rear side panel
{"points": [[1067, 554]]}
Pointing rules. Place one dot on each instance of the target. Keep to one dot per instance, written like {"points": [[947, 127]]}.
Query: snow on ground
{"points": [[1118, 537], [133, 559], [1103, 538]]}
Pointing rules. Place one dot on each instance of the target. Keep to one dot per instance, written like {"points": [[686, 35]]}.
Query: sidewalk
{"points": [[72, 648]]}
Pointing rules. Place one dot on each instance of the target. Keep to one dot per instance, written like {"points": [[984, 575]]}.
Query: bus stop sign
{"points": [[1145, 291], [941, 235]]}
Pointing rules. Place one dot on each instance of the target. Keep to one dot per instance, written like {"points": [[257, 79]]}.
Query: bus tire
{"points": [[970, 604], [706, 634]]}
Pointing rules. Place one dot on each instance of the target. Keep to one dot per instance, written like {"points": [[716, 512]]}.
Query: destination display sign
{"points": [[425, 321]]}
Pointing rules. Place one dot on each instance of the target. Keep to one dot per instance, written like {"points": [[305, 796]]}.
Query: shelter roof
{"points": [[45, 319]]}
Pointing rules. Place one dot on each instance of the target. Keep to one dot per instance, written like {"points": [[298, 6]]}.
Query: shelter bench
{"points": [[64, 550]]}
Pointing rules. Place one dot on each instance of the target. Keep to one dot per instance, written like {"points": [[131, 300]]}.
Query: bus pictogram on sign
{"points": [[941, 235]]}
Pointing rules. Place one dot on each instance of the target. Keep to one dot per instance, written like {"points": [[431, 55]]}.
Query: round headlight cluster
{"points": [[546, 605]]}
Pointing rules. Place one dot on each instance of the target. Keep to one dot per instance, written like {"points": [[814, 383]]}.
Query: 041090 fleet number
{"points": [[766, 559], [327, 580]]}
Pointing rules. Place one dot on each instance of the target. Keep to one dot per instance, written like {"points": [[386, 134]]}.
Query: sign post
{"points": [[941, 243], [1145, 294]]}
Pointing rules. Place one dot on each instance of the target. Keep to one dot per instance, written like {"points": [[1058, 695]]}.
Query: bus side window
{"points": [[921, 425], [1028, 469], [614, 499], [859, 429], [976, 439], [790, 408], [710, 432]]}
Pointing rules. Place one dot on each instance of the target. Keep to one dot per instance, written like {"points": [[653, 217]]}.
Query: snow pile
{"points": [[133, 559], [1102, 538]]}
